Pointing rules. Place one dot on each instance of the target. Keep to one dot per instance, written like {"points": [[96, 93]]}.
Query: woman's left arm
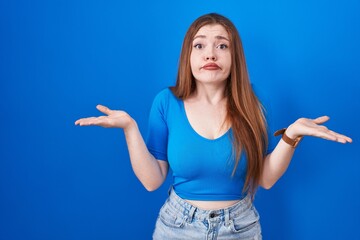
{"points": [[279, 159]]}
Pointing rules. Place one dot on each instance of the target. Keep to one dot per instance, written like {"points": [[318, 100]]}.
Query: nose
{"points": [[210, 55], [211, 58]]}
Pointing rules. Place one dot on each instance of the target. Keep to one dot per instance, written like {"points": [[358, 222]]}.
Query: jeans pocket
{"points": [[246, 223], [171, 218]]}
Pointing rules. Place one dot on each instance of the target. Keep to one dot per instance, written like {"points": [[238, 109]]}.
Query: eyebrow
{"points": [[217, 37]]}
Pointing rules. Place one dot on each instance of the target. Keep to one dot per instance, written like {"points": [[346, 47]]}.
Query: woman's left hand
{"points": [[313, 127]]}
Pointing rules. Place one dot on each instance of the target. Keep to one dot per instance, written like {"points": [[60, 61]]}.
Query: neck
{"points": [[209, 93]]}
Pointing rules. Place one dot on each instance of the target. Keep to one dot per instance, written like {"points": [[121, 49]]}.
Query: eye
{"points": [[198, 46], [222, 46]]}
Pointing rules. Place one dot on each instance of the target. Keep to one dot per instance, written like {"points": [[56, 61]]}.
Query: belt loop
{"points": [[191, 214], [227, 217]]}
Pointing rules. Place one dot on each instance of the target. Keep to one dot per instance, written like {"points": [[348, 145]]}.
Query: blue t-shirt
{"points": [[202, 168]]}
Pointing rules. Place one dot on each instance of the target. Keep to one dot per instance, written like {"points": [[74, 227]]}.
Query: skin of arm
{"points": [[276, 163], [151, 172]]}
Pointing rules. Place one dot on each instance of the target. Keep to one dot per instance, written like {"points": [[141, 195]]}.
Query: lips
{"points": [[211, 66]]}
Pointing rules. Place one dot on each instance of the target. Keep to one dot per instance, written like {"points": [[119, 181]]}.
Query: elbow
{"points": [[153, 183], [266, 185], [151, 188]]}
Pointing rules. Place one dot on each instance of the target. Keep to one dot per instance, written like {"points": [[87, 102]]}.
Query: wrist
{"points": [[291, 133], [289, 136], [130, 126]]}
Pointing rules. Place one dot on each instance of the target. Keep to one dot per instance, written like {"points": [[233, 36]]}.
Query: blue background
{"points": [[58, 59]]}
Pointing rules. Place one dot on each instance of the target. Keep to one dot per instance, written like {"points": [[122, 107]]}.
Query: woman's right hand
{"points": [[150, 172], [113, 119]]}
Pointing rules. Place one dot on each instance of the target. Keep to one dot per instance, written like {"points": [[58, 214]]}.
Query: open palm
{"points": [[313, 127], [113, 119]]}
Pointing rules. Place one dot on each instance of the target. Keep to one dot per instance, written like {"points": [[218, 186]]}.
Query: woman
{"points": [[211, 131]]}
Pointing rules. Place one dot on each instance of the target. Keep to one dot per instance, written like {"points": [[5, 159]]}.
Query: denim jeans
{"points": [[179, 220]]}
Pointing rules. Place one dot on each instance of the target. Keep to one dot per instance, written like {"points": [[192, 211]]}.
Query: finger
{"points": [[333, 136], [321, 120], [77, 122], [86, 121], [341, 138], [348, 139], [327, 136], [104, 109]]}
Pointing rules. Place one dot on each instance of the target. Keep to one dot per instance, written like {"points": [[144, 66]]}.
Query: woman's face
{"points": [[210, 58]]}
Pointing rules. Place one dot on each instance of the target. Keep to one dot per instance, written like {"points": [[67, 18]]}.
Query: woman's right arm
{"points": [[151, 172]]}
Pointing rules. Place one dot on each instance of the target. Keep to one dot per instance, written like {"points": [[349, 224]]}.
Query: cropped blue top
{"points": [[201, 168]]}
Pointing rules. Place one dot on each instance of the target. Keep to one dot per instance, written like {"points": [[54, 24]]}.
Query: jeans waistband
{"points": [[193, 212]]}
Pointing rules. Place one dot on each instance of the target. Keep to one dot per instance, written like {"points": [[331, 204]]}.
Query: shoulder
{"points": [[165, 96], [164, 100]]}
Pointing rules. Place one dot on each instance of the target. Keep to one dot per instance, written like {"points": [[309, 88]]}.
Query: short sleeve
{"points": [[157, 138], [266, 103]]}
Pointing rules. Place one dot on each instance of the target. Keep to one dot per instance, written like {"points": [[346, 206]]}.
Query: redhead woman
{"points": [[211, 131]]}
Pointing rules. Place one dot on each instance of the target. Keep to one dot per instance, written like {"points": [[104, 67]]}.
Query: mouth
{"points": [[211, 66]]}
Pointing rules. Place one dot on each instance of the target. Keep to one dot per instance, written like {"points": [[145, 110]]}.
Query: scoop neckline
{"points": [[196, 132]]}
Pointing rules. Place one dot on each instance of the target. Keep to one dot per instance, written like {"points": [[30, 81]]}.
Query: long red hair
{"points": [[244, 111]]}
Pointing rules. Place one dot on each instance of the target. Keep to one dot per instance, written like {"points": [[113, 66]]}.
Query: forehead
{"points": [[212, 30]]}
